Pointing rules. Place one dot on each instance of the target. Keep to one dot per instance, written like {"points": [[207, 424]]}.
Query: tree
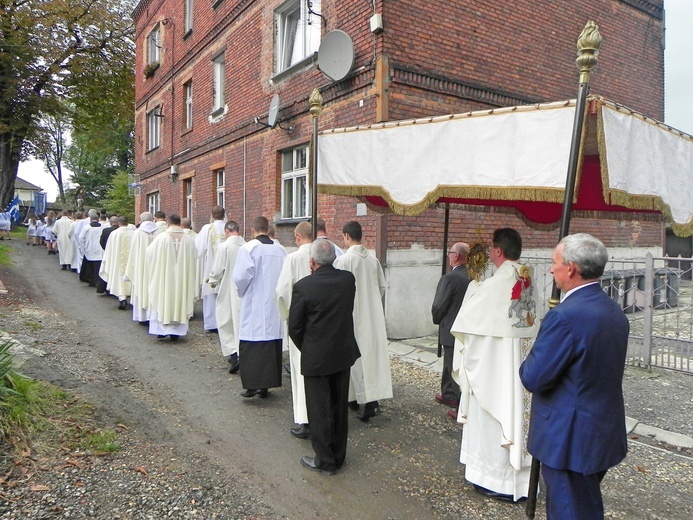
{"points": [[48, 49], [118, 199]]}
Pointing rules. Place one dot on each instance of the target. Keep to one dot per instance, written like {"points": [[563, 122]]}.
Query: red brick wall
{"points": [[445, 57]]}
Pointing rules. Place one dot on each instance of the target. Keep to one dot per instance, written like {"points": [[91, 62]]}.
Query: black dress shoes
{"points": [[174, 338], [309, 462], [123, 305], [354, 405], [287, 368], [370, 410], [301, 431], [235, 365], [494, 495], [263, 393]]}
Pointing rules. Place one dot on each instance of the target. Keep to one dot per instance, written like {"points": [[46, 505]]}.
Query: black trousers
{"points": [[326, 400], [449, 388]]}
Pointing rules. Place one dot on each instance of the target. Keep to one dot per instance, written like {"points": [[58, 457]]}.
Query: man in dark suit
{"points": [[446, 304], [575, 371], [322, 327]]}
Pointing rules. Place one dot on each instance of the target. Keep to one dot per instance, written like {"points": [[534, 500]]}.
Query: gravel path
{"points": [[192, 449]]}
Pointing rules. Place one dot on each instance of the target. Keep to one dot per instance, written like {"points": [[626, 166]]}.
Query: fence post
{"points": [[648, 311]]}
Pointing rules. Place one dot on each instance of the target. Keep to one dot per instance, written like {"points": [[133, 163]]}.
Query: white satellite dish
{"points": [[336, 55], [273, 111]]}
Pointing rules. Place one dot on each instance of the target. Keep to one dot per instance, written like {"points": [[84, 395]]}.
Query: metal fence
{"points": [[656, 293]]}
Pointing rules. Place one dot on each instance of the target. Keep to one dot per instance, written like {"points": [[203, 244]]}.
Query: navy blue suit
{"points": [[577, 426]]}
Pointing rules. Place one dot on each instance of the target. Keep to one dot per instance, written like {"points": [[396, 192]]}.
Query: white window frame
{"points": [[218, 82], [220, 183], [154, 128], [296, 33], [188, 198], [189, 6], [154, 45], [153, 202], [188, 88], [295, 177]]}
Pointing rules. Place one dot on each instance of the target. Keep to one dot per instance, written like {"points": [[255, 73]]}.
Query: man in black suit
{"points": [[322, 327], [447, 302]]}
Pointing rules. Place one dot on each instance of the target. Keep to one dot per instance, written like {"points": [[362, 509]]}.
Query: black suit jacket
{"points": [[447, 302], [321, 322], [105, 234]]}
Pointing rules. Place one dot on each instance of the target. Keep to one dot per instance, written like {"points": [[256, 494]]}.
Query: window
{"points": [[188, 15], [188, 198], [154, 45], [296, 32], [188, 89], [218, 70], [220, 185], [153, 204], [154, 128], [295, 192]]}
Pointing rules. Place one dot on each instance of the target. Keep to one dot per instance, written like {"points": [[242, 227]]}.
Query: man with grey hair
{"points": [[446, 304], [575, 373], [321, 325], [136, 272]]}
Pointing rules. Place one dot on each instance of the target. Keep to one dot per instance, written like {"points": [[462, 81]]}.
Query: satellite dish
{"points": [[336, 55], [273, 111]]}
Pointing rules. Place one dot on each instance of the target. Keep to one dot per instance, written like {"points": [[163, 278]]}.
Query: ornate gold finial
{"points": [[315, 101], [588, 45]]}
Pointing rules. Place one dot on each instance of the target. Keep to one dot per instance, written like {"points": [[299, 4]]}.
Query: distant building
{"points": [[26, 191], [207, 72]]}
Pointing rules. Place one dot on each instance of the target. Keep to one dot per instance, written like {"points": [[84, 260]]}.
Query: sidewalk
{"points": [[423, 352]]}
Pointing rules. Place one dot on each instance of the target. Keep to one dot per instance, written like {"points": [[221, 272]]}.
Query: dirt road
{"points": [[179, 400]]}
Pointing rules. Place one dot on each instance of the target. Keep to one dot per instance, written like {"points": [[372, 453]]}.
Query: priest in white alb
{"points": [[115, 258], [171, 260], [207, 241], [371, 379], [493, 331], [296, 266], [135, 271], [228, 303], [256, 273], [61, 230]]}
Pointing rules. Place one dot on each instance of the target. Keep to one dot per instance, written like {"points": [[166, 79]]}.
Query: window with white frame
{"points": [[295, 190], [153, 202], [188, 89], [296, 32], [154, 45], [219, 180], [188, 15], [188, 198], [154, 128], [218, 79]]}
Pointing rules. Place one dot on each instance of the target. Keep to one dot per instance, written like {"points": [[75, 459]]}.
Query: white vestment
{"points": [[296, 266], [228, 307], [207, 241], [170, 263], [135, 271], [115, 260], [371, 379], [90, 243], [256, 273], [493, 332], [61, 229], [198, 272], [76, 231]]}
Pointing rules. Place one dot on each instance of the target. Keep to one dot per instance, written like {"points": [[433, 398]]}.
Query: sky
{"points": [[678, 85]]}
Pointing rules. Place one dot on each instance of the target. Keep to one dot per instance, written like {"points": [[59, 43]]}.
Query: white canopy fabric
{"points": [[516, 153]]}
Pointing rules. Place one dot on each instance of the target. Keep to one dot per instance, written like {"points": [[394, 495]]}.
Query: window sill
{"points": [[291, 221], [305, 64], [187, 34], [186, 131], [218, 114], [152, 149], [217, 3]]}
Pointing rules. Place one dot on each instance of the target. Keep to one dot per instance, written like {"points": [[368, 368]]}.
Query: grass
{"points": [[38, 417], [18, 234], [33, 325]]}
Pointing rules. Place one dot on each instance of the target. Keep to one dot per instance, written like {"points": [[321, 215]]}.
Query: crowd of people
{"points": [[325, 306]]}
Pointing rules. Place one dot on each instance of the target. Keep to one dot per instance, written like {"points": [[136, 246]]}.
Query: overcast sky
{"points": [[678, 67]]}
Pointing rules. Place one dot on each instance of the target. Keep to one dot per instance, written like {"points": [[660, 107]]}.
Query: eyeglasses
{"points": [[452, 252]]}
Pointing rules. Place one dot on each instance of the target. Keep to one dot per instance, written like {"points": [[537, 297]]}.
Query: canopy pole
{"points": [[315, 102], [444, 265], [588, 45]]}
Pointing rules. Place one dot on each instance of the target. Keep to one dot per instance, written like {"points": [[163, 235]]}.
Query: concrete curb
{"points": [[424, 355]]}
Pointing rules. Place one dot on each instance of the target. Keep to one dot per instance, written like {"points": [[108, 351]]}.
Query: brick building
{"points": [[207, 70]]}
